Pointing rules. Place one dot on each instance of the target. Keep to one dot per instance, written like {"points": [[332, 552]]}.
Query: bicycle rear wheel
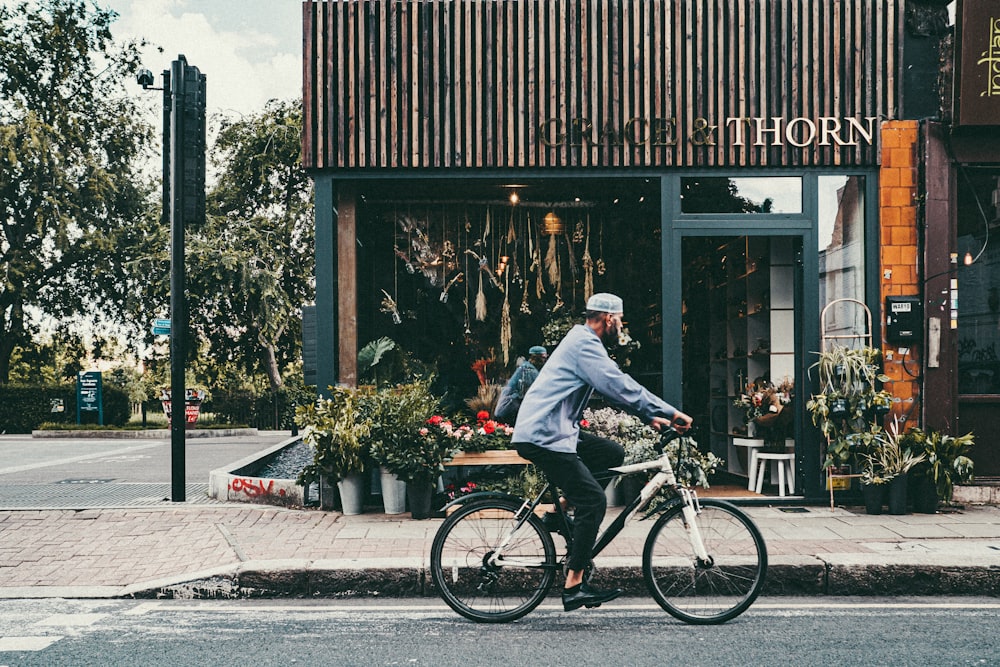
{"points": [[473, 587], [705, 592]]}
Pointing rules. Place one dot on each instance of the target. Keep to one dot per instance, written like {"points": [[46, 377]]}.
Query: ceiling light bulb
{"points": [[514, 198], [967, 260]]}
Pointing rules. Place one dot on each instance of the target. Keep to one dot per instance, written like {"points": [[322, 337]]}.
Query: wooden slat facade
{"points": [[427, 84]]}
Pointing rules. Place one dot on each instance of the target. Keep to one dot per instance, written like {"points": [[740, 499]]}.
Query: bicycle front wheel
{"points": [[712, 591], [474, 587]]}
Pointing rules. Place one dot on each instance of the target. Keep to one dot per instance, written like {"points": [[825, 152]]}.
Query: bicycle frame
{"points": [[664, 478]]}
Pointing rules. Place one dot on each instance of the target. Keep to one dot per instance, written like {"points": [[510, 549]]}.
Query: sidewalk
{"points": [[228, 550]]}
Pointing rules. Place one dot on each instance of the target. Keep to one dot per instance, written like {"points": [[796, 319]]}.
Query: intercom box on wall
{"points": [[903, 319]]}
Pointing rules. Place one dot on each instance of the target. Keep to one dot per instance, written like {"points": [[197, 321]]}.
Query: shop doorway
{"points": [[741, 295]]}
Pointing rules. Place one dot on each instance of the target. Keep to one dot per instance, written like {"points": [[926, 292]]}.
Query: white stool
{"points": [[786, 470]]}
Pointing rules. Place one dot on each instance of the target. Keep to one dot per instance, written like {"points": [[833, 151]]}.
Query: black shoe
{"points": [[554, 524], [586, 596]]}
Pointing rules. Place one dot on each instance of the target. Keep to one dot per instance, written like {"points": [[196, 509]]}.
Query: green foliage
{"points": [[849, 405], [886, 458], [71, 139], [260, 409], [252, 262], [24, 408], [946, 461], [383, 361], [338, 430], [402, 440], [691, 465]]}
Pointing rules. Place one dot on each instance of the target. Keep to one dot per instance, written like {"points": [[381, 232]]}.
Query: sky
{"points": [[250, 51]]}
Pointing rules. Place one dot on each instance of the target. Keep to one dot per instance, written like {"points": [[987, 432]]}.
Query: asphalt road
{"points": [[775, 631], [27, 460]]}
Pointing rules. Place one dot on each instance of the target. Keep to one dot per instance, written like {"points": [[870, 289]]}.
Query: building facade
{"points": [[731, 167]]}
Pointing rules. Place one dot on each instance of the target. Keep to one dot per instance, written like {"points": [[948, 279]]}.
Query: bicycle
{"points": [[704, 561]]}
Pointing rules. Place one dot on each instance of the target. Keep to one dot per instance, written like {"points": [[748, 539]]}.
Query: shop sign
{"points": [[977, 75], [732, 131]]}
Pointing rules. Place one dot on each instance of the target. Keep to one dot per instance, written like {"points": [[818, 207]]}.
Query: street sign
{"points": [[161, 327]]}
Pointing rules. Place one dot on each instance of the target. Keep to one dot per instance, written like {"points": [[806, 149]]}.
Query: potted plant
{"points": [[850, 404], [408, 439], [945, 465], [895, 460], [337, 430]]}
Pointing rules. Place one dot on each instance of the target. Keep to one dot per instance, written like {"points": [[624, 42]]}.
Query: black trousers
{"points": [[581, 477]]}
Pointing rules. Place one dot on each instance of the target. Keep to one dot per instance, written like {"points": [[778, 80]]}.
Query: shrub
{"points": [[23, 408]]}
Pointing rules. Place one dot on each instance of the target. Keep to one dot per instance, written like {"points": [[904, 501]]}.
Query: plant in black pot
{"points": [[410, 441], [945, 464], [896, 461]]}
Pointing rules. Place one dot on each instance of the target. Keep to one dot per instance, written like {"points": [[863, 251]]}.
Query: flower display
{"points": [[761, 397], [486, 434], [452, 491], [764, 404]]}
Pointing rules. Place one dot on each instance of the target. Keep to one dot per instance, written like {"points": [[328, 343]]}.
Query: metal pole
{"points": [[178, 312]]}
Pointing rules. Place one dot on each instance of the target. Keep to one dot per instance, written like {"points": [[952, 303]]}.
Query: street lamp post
{"points": [[183, 203]]}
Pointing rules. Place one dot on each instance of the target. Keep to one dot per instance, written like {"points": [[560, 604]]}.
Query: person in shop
{"points": [[547, 431], [513, 392]]}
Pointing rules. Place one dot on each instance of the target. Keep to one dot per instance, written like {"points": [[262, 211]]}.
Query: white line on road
{"points": [[432, 606], [75, 459]]}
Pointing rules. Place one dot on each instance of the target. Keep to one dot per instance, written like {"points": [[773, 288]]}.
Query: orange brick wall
{"points": [[898, 253]]}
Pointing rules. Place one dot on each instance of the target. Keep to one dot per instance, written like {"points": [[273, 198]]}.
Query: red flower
{"points": [[482, 415], [584, 423], [435, 420], [489, 427]]}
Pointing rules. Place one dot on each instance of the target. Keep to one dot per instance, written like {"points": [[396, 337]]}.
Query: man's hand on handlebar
{"points": [[680, 423]]}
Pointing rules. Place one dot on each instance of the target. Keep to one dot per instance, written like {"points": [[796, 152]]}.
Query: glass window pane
{"points": [[979, 282], [841, 242], [715, 194]]}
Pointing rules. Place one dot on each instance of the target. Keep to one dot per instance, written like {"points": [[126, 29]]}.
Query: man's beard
{"points": [[610, 337]]}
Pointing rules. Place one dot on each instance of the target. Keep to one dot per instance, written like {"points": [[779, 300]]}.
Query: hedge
{"points": [[267, 411], [23, 408]]}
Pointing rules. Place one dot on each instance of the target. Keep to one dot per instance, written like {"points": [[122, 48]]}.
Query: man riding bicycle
{"points": [[547, 431]]}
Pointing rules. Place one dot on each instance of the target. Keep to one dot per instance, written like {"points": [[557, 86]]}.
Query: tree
{"points": [[249, 268], [70, 143]]}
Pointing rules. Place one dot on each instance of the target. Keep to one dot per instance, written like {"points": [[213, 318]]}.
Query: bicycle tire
{"points": [[484, 593], [705, 594]]}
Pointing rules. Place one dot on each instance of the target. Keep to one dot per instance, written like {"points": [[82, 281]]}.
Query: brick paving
{"points": [[125, 547]]}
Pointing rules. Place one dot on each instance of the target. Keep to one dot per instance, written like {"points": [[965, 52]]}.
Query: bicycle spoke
{"points": [[478, 589], [711, 592]]}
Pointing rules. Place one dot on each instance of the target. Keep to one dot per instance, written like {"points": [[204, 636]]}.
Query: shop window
{"points": [[841, 246], [714, 194], [460, 272], [979, 281]]}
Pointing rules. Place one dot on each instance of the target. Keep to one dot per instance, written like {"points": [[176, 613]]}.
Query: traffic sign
{"points": [[163, 324], [161, 331]]}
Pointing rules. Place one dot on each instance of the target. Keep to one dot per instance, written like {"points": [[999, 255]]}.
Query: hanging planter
{"points": [[838, 409]]}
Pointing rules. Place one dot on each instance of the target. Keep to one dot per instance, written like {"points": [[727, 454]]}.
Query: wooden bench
{"points": [[493, 457]]}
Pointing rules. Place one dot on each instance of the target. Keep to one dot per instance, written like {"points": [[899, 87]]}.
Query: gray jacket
{"points": [[551, 411]]}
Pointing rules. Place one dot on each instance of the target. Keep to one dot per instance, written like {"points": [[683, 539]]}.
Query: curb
{"points": [[232, 484], [786, 576], [155, 433]]}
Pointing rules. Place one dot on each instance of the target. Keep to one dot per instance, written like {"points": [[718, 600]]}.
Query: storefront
{"points": [[481, 167]]}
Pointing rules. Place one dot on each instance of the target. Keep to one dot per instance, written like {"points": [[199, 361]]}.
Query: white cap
{"points": [[606, 303]]}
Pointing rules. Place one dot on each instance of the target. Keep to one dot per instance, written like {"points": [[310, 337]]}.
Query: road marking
{"points": [[74, 620], [76, 459], [26, 643], [432, 606]]}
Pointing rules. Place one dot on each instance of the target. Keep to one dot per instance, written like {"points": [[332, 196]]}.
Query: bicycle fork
{"points": [[690, 509]]}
